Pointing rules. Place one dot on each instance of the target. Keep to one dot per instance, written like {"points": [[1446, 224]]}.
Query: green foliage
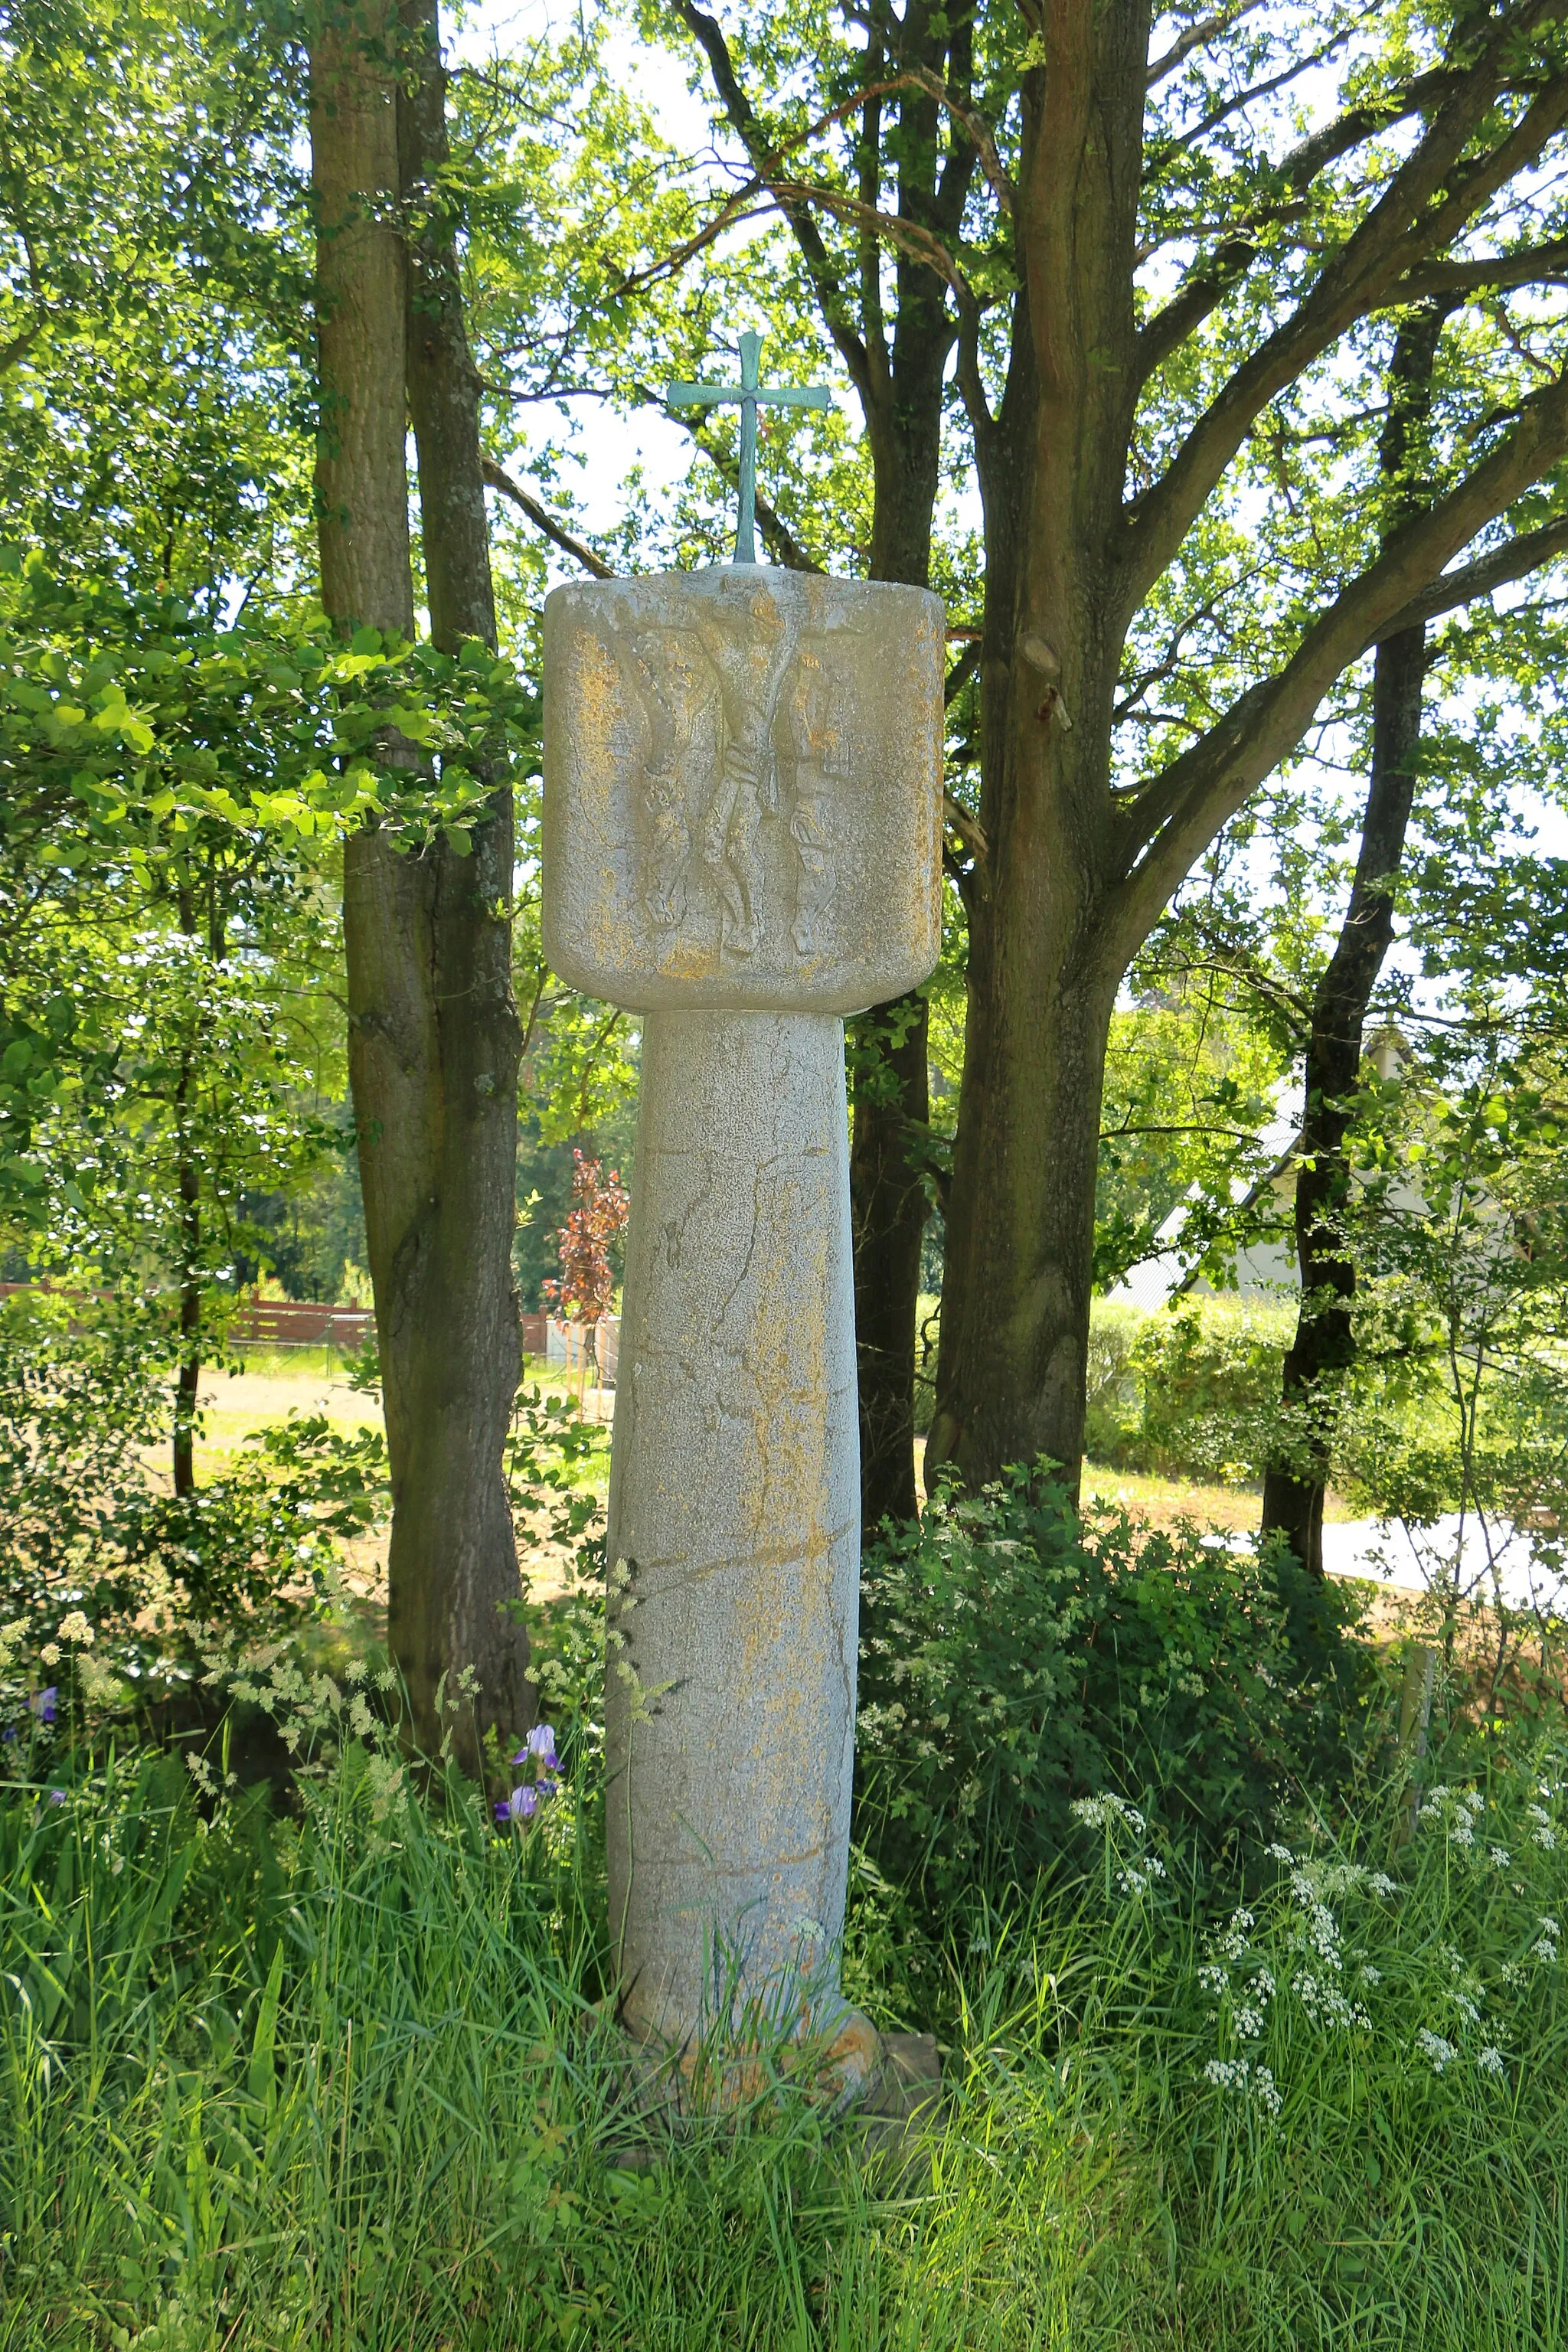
{"points": [[83, 1395], [1188, 1391], [1189, 1106], [1209, 1371], [271, 2082], [1013, 1659]]}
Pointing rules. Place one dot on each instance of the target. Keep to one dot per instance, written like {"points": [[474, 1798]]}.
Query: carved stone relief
{"points": [[737, 739]]}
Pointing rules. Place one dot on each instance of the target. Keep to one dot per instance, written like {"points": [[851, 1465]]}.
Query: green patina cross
{"points": [[751, 394]]}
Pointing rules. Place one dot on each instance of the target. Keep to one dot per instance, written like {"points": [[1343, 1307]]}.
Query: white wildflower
{"points": [[1369, 1975], [75, 1628], [50, 1653], [1212, 1977], [1489, 2060], [1380, 1882], [1247, 2022], [1135, 1879], [100, 1685], [1100, 1813], [1325, 2003], [1278, 1852], [1245, 2077], [1233, 1943], [1437, 2050], [1498, 1856]]}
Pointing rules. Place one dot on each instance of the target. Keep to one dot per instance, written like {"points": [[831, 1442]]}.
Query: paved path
{"points": [[1533, 1574]]}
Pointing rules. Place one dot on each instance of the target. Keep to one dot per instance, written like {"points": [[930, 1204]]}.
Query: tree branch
{"points": [[1527, 551], [1377, 254], [1538, 264], [921, 244], [496, 478], [967, 826], [1174, 816], [709, 35], [1194, 37]]}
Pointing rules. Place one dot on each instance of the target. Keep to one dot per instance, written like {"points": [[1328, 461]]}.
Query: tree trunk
{"points": [[188, 1374], [453, 1327], [888, 1210], [1323, 1350], [890, 1044], [1049, 927], [417, 943]]}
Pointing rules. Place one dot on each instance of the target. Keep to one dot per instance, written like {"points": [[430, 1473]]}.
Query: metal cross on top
{"points": [[751, 394]]}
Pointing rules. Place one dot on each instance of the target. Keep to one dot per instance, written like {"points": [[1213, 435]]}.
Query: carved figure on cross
{"points": [[749, 394]]}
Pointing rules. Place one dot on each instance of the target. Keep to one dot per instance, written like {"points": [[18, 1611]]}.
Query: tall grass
{"points": [[338, 2079]]}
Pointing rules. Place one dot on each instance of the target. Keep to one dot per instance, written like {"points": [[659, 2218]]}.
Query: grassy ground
{"points": [[338, 2081]]}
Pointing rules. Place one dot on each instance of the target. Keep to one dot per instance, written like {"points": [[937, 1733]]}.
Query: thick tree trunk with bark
{"points": [[432, 1036], [891, 1100], [1048, 926], [1323, 1350], [454, 1315], [1072, 865], [888, 1161]]}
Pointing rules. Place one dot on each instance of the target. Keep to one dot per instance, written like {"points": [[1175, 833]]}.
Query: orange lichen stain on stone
{"points": [[593, 702], [684, 958]]}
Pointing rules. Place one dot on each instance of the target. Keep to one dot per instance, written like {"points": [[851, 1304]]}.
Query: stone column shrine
{"points": [[742, 800]]}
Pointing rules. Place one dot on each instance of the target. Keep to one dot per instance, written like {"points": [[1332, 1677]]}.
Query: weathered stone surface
{"points": [[734, 1502], [743, 840], [743, 789]]}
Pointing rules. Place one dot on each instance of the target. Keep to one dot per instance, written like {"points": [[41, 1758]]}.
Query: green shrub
{"points": [[1012, 1660], [1189, 1392], [1113, 1401], [1210, 1372]]}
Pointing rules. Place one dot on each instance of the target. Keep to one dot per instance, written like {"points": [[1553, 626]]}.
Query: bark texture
{"points": [[1047, 929], [432, 1036], [1323, 1350], [1073, 868], [453, 1324]]}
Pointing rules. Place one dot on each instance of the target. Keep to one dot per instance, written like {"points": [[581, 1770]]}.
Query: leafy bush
{"points": [[83, 1396], [1210, 1372], [1190, 1392], [1113, 1402], [1012, 1660]]}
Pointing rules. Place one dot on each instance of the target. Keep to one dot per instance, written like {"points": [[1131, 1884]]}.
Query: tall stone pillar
{"points": [[741, 842]]}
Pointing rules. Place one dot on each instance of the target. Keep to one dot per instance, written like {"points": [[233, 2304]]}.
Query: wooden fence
{"points": [[285, 1323]]}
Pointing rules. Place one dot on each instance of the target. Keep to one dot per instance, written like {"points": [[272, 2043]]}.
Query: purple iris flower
{"points": [[519, 1806], [541, 1746], [43, 1703], [57, 1796]]}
